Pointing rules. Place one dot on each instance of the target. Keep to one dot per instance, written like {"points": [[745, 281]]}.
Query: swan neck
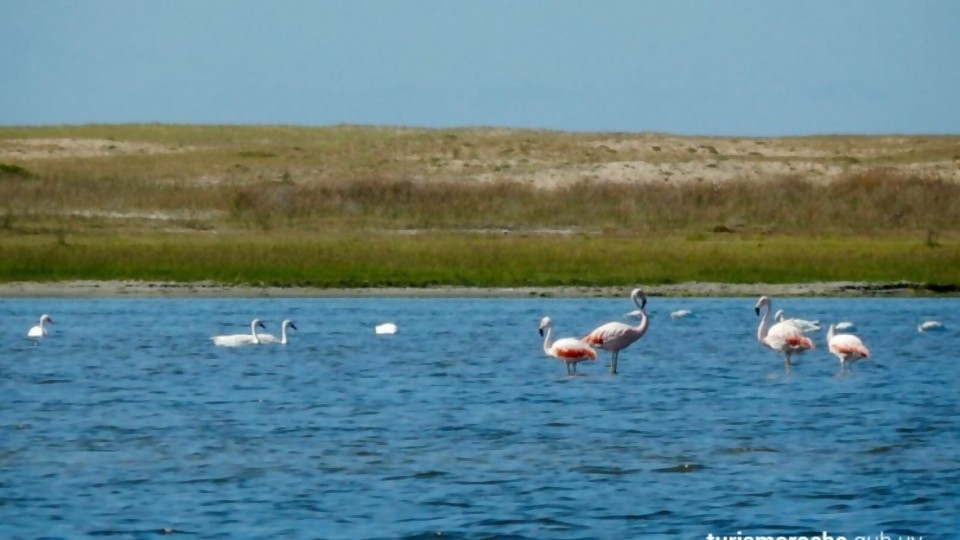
{"points": [[253, 330]]}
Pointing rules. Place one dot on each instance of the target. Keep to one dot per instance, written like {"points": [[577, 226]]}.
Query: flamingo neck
{"points": [[832, 331], [644, 322], [764, 327], [548, 339]]}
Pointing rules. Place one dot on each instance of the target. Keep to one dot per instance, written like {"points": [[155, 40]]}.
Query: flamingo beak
{"points": [[643, 304], [541, 332], [757, 310]]}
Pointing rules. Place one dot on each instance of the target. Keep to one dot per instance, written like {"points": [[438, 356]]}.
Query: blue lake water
{"points": [[128, 423]]}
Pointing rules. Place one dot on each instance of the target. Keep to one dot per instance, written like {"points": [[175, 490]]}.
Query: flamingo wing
{"points": [[606, 333], [785, 336], [849, 345], [573, 349]]}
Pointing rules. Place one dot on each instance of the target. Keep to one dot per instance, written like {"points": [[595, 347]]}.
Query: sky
{"points": [[694, 67]]}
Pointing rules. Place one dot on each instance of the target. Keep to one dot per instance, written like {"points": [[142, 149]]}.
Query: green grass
{"points": [[488, 260]]}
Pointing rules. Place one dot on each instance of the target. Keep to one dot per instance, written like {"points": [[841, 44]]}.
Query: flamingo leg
{"points": [[613, 363], [786, 362]]}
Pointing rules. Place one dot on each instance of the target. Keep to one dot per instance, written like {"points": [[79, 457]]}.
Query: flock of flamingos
{"points": [[786, 337], [783, 336]]}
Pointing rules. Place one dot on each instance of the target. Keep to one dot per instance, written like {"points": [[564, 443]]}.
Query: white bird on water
{"points": [[385, 328], [781, 337], [270, 338], [681, 313], [238, 340], [38, 331], [803, 324], [616, 336], [845, 326], [571, 350], [931, 326]]}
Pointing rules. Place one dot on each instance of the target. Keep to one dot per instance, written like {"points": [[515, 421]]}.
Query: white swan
{"points": [[681, 313], [802, 324], [237, 340], [269, 338], [385, 328], [929, 326], [845, 326], [38, 331]]}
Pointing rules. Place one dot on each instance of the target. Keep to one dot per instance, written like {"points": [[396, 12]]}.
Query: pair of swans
{"points": [[254, 338], [787, 337], [612, 336]]}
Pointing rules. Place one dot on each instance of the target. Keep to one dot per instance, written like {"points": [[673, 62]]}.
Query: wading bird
{"points": [[616, 336], [237, 340], [781, 337], [847, 347], [571, 350]]}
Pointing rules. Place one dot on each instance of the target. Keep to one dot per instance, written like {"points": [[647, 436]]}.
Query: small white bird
{"points": [[681, 313], [238, 340], [802, 324], [270, 338], [845, 326], [931, 326], [38, 331], [385, 328], [847, 347]]}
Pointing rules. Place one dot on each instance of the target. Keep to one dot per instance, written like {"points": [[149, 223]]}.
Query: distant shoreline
{"points": [[136, 289]]}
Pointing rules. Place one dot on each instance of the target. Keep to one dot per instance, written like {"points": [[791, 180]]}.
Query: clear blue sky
{"points": [[712, 67]]}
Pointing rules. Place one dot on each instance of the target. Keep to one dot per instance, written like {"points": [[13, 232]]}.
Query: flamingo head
{"points": [[763, 302], [642, 296], [545, 323]]}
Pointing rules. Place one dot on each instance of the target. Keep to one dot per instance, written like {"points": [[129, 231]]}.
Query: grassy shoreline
{"points": [[350, 206]]}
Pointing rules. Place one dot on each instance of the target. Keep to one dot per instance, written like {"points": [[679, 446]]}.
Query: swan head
{"points": [[258, 323], [763, 302], [545, 323], [642, 296], [289, 324], [46, 319]]}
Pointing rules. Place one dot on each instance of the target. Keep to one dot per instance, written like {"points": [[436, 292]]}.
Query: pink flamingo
{"points": [[571, 350], [616, 336], [847, 347], [782, 337]]}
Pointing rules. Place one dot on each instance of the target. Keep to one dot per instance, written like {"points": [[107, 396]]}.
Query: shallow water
{"points": [[128, 422]]}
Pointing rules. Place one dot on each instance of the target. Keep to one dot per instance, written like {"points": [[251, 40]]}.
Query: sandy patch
{"points": [[57, 148]]}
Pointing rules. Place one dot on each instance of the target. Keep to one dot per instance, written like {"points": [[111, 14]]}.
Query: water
{"points": [[129, 423]]}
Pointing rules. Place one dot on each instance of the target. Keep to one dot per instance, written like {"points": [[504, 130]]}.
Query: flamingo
{"points": [[847, 347], [782, 337], [269, 338], [616, 336], [37, 331], [571, 350], [237, 340], [802, 324]]}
